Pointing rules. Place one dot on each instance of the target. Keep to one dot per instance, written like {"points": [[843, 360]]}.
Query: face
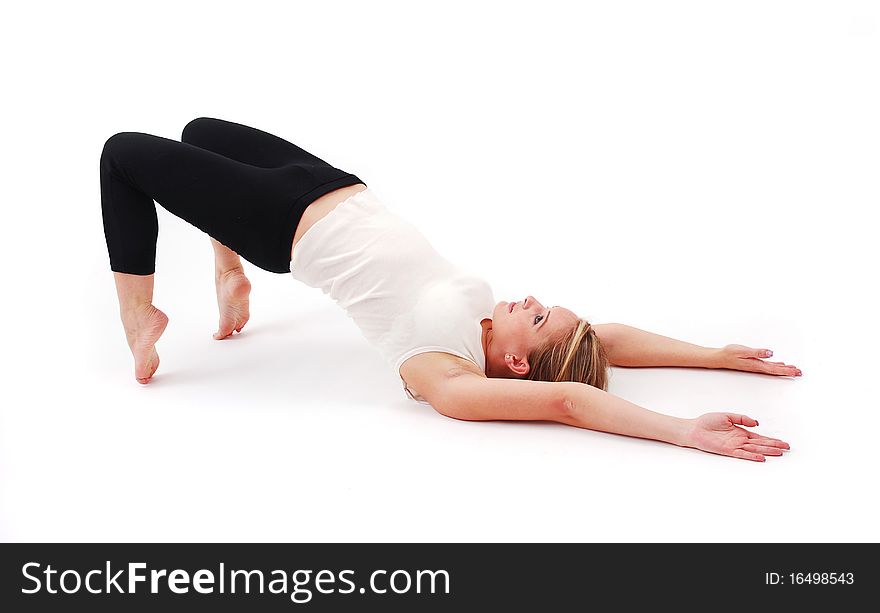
{"points": [[518, 328]]}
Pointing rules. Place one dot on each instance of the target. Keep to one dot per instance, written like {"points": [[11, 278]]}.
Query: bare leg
{"points": [[143, 322], [233, 291]]}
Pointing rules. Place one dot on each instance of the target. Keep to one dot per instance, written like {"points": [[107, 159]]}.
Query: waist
{"points": [[319, 209]]}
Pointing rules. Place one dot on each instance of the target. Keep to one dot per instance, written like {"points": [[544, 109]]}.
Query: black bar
{"points": [[515, 577]]}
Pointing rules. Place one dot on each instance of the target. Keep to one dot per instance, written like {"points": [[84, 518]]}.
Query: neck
{"points": [[485, 339]]}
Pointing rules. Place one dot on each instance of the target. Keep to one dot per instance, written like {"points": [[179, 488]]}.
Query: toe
{"points": [[144, 371], [224, 329]]}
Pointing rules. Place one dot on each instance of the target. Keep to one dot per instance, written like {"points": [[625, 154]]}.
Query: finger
{"points": [[747, 455], [757, 439], [785, 369], [742, 420], [751, 352], [764, 449], [775, 368]]}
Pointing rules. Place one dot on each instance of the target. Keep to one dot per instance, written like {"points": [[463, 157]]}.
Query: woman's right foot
{"points": [[233, 301], [143, 327]]}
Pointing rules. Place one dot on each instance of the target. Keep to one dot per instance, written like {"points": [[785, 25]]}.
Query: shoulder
{"points": [[427, 370]]}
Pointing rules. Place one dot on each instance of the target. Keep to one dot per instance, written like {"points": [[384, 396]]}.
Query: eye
{"points": [[538, 318]]}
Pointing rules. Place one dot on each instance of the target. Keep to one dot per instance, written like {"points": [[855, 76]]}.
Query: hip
{"points": [[320, 207]]}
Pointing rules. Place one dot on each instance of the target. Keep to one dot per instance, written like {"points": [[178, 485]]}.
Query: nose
{"points": [[530, 300]]}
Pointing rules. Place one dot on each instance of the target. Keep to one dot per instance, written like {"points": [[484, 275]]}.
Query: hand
{"points": [[740, 357], [719, 433]]}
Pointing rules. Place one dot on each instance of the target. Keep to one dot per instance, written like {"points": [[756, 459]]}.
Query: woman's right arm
{"points": [[589, 407], [474, 397], [720, 433]]}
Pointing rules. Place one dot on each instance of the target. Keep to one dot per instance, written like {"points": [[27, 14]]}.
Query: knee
{"points": [[113, 144], [190, 130]]}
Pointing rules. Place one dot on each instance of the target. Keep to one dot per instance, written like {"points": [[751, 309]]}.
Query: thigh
{"points": [[245, 144], [232, 201]]}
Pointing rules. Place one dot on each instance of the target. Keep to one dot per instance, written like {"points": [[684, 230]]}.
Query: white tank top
{"points": [[403, 295]]}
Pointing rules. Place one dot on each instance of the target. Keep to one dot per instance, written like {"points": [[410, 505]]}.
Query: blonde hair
{"points": [[577, 355]]}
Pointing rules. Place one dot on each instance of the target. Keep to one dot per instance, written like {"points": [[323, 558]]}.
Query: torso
{"points": [[429, 364]]}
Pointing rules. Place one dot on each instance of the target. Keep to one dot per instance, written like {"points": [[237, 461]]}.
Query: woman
{"points": [[285, 210]]}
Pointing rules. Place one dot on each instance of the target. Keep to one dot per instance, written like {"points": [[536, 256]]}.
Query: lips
{"points": [[510, 310]]}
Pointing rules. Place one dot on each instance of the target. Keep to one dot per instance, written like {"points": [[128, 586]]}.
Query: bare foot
{"points": [[233, 291], [143, 327]]}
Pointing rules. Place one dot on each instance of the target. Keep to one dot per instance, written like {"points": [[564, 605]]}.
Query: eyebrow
{"points": [[546, 317]]}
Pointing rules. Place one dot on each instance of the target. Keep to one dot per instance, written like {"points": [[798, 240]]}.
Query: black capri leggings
{"points": [[244, 187]]}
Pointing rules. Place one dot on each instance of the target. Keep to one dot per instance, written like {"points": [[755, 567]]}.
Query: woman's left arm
{"points": [[629, 346]]}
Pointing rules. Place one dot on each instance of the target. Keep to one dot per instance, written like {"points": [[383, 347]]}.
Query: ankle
{"points": [[135, 316], [136, 310], [222, 272]]}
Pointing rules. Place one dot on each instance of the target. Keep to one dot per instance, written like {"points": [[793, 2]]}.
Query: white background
{"points": [[703, 170]]}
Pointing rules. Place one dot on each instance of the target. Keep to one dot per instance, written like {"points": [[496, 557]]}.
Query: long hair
{"points": [[577, 356]]}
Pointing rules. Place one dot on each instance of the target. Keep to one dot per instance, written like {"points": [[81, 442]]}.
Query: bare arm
{"points": [[473, 397], [590, 407], [586, 406], [629, 346]]}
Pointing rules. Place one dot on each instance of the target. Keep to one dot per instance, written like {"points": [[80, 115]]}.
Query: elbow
{"points": [[609, 333], [567, 409], [609, 336]]}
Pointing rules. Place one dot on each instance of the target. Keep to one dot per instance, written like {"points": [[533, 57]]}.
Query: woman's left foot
{"points": [[143, 327], [233, 301]]}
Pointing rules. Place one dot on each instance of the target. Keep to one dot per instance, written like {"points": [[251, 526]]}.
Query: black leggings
{"points": [[244, 187]]}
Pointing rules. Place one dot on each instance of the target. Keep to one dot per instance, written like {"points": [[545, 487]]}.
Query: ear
{"points": [[520, 367]]}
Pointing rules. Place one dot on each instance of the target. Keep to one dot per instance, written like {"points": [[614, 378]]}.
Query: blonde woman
{"points": [[287, 211]]}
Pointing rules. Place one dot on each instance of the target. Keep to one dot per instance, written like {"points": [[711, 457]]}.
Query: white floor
{"points": [[631, 166]]}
